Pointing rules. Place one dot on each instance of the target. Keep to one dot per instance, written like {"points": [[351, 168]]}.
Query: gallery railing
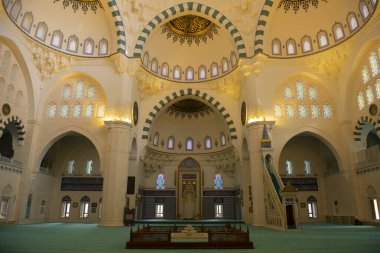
{"points": [[10, 164]]}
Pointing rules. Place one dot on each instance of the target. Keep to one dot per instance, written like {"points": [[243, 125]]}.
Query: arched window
{"points": [[101, 111], [189, 73], [165, 69], [88, 168], [5, 64], [370, 95], [88, 110], [88, 47], [189, 144], [289, 169], [214, 69], [41, 31], [290, 111], [374, 63], [65, 207], [225, 65], [312, 207], [313, 93], [155, 139], [52, 110], [56, 39], [338, 31], [16, 9], [64, 110], [233, 59], [372, 198], [364, 10], [377, 85], [171, 142], [365, 74], [160, 183], [303, 111], [323, 40], [66, 94], [14, 73], [315, 111], [75, 110], [27, 21], [218, 182], [307, 167], [72, 44], [154, 65], [291, 47], [276, 47], [327, 111], [208, 143], [361, 100], [306, 44], [79, 90], [91, 92], [84, 207], [222, 139], [352, 21], [2, 86], [146, 59], [103, 47], [71, 167], [300, 88], [19, 100], [177, 72], [202, 72], [10, 93], [277, 111]]}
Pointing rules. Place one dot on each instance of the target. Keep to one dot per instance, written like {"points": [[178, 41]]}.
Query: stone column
{"points": [[254, 141], [115, 172]]}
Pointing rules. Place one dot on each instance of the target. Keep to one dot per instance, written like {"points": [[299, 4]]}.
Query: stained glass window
{"points": [[218, 182], [378, 88], [306, 45], [56, 39], [288, 93], [160, 184], [72, 44], [52, 110], [171, 142], [300, 87], [374, 63], [88, 110], [352, 21], [189, 73], [189, 144], [154, 65], [276, 47], [277, 111], [202, 72], [222, 139], [91, 92], [290, 111], [103, 47], [70, 167], [88, 46], [313, 93], [322, 40], [64, 110], [79, 89], [165, 69], [101, 111], [327, 111], [88, 169], [177, 73], [224, 65], [233, 59], [214, 69], [364, 10], [67, 92], [369, 94], [361, 101], [315, 111], [41, 31], [155, 139], [76, 110], [307, 167], [365, 74], [291, 47], [339, 34], [303, 112], [208, 142], [289, 168]]}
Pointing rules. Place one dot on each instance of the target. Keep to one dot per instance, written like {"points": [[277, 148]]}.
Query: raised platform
{"points": [[191, 222]]}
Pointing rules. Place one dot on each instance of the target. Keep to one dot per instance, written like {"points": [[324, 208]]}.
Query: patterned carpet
{"points": [[60, 238]]}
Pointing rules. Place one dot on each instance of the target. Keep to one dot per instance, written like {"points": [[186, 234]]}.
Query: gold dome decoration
{"points": [[83, 4], [297, 3], [190, 28]]}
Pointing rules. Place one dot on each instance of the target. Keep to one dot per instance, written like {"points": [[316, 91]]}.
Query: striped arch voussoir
{"points": [[16, 121], [359, 127], [120, 32], [202, 95], [260, 28], [191, 6]]}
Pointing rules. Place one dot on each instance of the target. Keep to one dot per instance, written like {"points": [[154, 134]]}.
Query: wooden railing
{"points": [[275, 217]]}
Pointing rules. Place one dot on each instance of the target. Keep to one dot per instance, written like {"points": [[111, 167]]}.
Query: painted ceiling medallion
{"points": [[296, 4], [189, 108], [190, 29], [83, 4]]}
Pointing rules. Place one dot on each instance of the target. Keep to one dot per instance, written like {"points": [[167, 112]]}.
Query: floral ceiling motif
{"points": [[190, 29], [296, 4], [189, 108], [85, 5]]}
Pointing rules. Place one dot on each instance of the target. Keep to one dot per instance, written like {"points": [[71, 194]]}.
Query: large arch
{"points": [[210, 100], [198, 8], [119, 26]]}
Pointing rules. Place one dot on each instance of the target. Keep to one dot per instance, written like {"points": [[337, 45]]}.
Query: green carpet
{"points": [[60, 238]]}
